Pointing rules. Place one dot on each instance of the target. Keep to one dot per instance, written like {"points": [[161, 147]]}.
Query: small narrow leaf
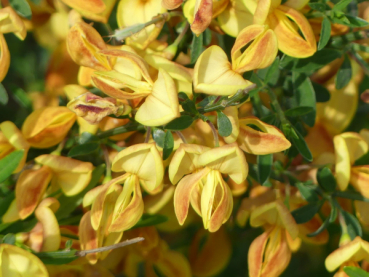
{"points": [[298, 111], [9, 163], [321, 93], [326, 179], [158, 136], [341, 5], [353, 271], [264, 167], [4, 98], [344, 74], [299, 142], [22, 8], [321, 7], [224, 124], [196, 47], [320, 229], [307, 192], [179, 123], [307, 212], [325, 33], [57, 257], [168, 145], [353, 225], [84, 149], [272, 70], [207, 37]]}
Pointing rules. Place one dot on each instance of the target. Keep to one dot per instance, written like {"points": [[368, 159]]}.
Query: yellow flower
{"points": [[143, 165], [348, 255], [15, 261], [209, 194], [47, 126], [11, 139]]}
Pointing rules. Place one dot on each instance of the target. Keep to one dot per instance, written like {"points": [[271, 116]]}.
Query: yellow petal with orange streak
{"points": [[4, 58], [88, 237], [263, 9], [276, 214], [237, 16], [359, 178], [128, 207], [202, 17], [213, 74], [71, 175], [256, 254], [296, 4], [183, 192], [232, 114], [171, 4], [30, 188], [261, 50], [185, 161], [310, 227], [355, 251], [270, 140], [15, 261], [290, 41], [143, 160], [161, 106], [227, 159], [93, 6], [51, 231], [48, 126]]}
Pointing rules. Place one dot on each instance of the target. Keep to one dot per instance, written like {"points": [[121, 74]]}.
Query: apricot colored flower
{"points": [[15, 261], [348, 254], [11, 139], [143, 165], [47, 126], [204, 187]]}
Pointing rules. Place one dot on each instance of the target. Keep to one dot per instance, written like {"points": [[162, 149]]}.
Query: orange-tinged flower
{"points": [[138, 161], [213, 256], [94, 108], [348, 254], [4, 57], [71, 175], [348, 147], [171, 4], [213, 74], [270, 140], [209, 194], [11, 139], [84, 44], [15, 261], [359, 178], [47, 126]]}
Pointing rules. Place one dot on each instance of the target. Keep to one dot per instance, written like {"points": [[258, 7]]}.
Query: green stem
{"points": [[121, 130], [275, 103], [215, 134]]}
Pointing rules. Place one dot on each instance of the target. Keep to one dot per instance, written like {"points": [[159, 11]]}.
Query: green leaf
{"points": [[344, 74], [37, 2], [341, 5], [325, 33], [196, 47], [69, 203], [150, 220], [307, 192], [179, 123], [84, 149], [9, 163], [168, 145], [321, 93], [264, 167], [22, 8], [357, 21], [272, 70], [22, 98], [9, 239], [353, 271], [87, 137], [207, 37], [321, 7], [320, 229], [326, 179], [299, 142], [5, 202], [57, 257], [307, 212], [224, 124], [298, 111], [4, 98], [353, 225], [305, 96], [189, 106], [158, 135]]}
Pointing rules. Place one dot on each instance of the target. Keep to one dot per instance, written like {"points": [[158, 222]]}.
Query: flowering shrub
{"points": [[184, 138]]}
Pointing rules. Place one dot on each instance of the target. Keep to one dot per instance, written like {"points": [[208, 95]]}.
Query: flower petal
{"points": [[359, 178], [4, 58], [232, 114], [202, 16]]}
